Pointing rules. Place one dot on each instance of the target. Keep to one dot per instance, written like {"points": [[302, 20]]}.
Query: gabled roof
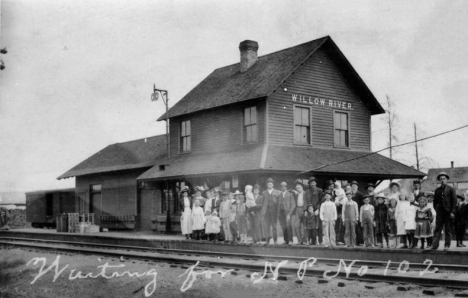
{"points": [[227, 85], [289, 159], [122, 156]]}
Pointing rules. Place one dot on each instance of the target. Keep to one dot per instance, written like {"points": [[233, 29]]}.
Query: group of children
{"points": [[397, 220]]}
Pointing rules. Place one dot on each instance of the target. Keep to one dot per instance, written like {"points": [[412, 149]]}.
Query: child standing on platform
{"points": [[198, 220], [430, 204], [410, 222], [241, 219], [328, 216], [311, 224], [367, 222], [423, 220], [224, 214], [213, 226], [350, 218], [233, 224], [391, 222], [380, 218], [400, 215]]}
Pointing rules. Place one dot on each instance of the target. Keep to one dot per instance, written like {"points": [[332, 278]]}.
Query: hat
{"points": [[416, 182], [370, 185], [330, 182], [312, 178], [299, 181], [366, 197], [327, 193], [225, 192], [380, 195], [460, 197], [395, 183], [443, 174], [256, 186], [199, 188], [354, 182], [269, 180], [237, 193], [185, 189]]}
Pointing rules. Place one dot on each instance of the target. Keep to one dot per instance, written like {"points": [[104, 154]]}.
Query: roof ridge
{"points": [[278, 51], [137, 140]]}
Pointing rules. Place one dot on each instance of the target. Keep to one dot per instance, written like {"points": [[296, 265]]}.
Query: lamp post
{"points": [[165, 98]]}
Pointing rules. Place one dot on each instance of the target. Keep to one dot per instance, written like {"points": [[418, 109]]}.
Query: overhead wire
{"points": [[375, 152]]}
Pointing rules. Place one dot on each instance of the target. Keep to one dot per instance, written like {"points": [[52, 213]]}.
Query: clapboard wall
{"points": [[317, 77], [118, 193], [217, 130]]}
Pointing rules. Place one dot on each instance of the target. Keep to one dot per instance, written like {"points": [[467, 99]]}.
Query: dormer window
{"points": [[250, 125], [185, 136]]}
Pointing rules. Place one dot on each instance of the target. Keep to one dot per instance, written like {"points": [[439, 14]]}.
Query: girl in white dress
{"points": [[198, 219], [400, 215], [186, 217], [410, 222]]}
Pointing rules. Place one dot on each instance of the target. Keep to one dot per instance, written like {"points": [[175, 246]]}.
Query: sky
{"points": [[79, 74]]}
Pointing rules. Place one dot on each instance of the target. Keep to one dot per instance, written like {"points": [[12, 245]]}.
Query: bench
{"points": [[159, 223], [118, 221]]}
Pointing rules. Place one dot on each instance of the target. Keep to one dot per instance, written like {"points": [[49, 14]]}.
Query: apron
{"points": [[186, 222]]}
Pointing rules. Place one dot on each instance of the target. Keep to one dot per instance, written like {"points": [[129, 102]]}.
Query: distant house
{"points": [[458, 178]]}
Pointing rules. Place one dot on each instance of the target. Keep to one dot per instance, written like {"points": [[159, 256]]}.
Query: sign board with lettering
{"points": [[321, 101]]}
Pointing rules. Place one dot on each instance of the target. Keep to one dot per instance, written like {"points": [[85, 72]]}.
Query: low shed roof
{"points": [[122, 156]]}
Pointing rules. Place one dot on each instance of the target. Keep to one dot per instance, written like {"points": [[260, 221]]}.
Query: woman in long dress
{"points": [[186, 217]]}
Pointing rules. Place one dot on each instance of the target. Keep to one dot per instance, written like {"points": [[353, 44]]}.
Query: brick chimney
{"points": [[248, 53], [451, 164]]}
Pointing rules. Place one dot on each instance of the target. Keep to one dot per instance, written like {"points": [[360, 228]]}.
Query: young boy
{"points": [[328, 216], [241, 219], [380, 218], [367, 222], [311, 224], [350, 218], [224, 214], [391, 222], [460, 220], [233, 224]]}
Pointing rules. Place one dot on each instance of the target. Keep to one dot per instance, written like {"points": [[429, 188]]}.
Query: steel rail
{"points": [[271, 258], [368, 277]]}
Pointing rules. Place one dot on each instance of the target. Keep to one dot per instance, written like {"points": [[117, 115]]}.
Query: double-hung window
{"points": [[301, 125], [185, 136], [341, 125], [250, 125]]}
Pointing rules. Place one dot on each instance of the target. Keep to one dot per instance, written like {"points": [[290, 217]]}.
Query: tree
{"points": [[392, 121]]}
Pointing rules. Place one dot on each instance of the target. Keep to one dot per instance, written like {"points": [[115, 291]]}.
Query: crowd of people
{"points": [[329, 217]]}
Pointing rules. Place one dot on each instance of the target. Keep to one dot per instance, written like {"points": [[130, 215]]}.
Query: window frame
{"points": [[349, 129], [244, 135], [181, 137], [310, 125]]}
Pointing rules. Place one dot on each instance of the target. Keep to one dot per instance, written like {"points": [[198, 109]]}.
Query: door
{"points": [[147, 208], [95, 206]]}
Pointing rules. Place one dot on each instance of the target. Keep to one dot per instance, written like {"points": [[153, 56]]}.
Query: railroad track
{"points": [[255, 263]]}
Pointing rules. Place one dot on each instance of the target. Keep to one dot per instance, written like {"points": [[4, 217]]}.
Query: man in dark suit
{"points": [[216, 200], [358, 197], [269, 210], [259, 223], [445, 204], [286, 208], [314, 197]]}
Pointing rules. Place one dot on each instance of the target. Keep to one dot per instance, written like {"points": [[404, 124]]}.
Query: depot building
{"points": [[290, 114]]}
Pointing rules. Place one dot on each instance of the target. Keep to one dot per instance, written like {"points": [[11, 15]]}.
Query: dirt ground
{"points": [[20, 279]]}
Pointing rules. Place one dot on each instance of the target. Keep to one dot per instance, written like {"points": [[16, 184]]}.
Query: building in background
{"points": [[291, 114], [458, 178]]}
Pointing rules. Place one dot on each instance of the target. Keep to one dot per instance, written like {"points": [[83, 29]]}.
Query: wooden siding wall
{"points": [[318, 77], [218, 129], [118, 191]]}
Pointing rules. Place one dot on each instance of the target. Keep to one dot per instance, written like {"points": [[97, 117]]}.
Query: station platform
{"points": [[454, 256]]}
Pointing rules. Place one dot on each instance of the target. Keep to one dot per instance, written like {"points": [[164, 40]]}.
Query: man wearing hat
{"points": [[286, 207], [215, 200], [417, 191], [270, 210], [445, 204], [259, 223], [314, 197], [300, 200], [358, 197]]}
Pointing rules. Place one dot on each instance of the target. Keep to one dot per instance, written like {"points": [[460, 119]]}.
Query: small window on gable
{"points": [[185, 136], [250, 125], [301, 125], [341, 125]]}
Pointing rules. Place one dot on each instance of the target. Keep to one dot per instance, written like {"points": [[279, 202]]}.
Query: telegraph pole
{"points": [[416, 145]]}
